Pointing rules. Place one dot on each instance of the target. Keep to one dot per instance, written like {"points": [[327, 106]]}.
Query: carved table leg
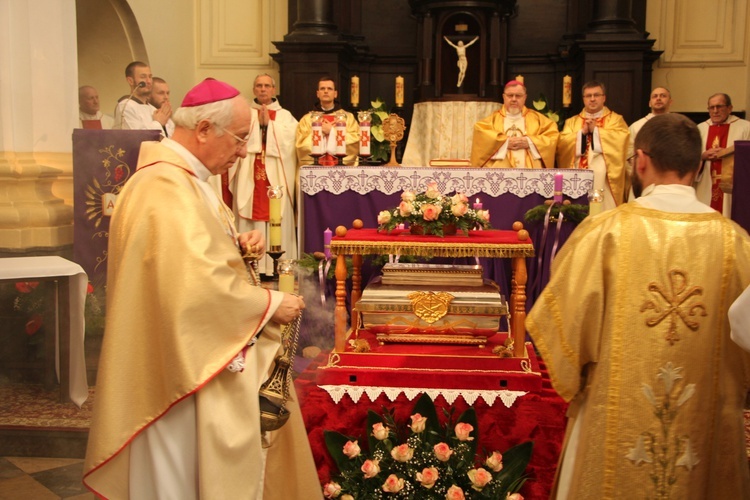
{"points": [[340, 313], [356, 288], [518, 304]]}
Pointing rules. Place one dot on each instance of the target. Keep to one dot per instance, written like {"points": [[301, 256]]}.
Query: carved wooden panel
{"points": [[702, 33], [237, 33]]}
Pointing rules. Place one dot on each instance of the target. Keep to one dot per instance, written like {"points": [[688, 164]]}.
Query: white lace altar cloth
{"points": [[355, 392], [469, 181]]}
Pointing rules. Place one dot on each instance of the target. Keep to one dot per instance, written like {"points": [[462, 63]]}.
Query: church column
{"points": [[38, 111], [613, 16], [314, 17]]}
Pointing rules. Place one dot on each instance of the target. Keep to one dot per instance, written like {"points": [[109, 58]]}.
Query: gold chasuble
{"points": [[490, 135], [635, 334], [166, 341], [613, 133]]}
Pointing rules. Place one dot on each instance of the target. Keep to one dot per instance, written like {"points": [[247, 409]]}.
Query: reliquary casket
{"points": [[426, 303]]}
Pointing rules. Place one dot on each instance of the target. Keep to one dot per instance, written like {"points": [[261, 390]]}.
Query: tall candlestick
{"points": [[399, 91], [327, 235], [477, 205], [558, 188], [274, 217], [519, 78], [567, 96], [355, 91]]}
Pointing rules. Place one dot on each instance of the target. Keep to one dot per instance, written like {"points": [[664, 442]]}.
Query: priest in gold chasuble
{"points": [[514, 136], [633, 328], [188, 339], [597, 139]]}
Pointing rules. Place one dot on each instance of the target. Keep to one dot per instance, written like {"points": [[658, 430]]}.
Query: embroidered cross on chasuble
{"points": [[587, 145], [717, 138]]}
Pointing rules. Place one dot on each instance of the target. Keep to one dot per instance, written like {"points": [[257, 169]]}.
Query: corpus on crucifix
{"points": [[462, 61]]}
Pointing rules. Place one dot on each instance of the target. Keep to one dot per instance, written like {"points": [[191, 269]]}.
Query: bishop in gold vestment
{"points": [[633, 328], [514, 136], [177, 412]]}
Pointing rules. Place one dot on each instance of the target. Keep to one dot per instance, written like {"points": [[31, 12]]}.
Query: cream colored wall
{"points": [[230, 40], [706, 50]]}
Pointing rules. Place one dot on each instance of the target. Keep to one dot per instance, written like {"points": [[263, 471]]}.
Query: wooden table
{"points": [[491, 244]]}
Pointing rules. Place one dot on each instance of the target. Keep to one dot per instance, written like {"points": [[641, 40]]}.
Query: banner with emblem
{"points": [[103, 160]]}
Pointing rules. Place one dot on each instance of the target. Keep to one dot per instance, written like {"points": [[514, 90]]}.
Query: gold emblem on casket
{"points": [[430, 306]]}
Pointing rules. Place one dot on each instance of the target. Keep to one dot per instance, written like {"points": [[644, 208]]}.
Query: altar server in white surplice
{"points": [[271, 161], [659, 103]]}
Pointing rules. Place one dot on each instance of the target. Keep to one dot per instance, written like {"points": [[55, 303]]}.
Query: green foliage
{"points": [[541, 106], [571, 213], [380, 149]]}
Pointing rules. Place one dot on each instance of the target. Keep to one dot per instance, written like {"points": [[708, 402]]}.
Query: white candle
{"points": [[317, 139], [340, 128], [364, 139], [286, 282], [399, 91], [355, 91], [567, 90], [274, 221]]}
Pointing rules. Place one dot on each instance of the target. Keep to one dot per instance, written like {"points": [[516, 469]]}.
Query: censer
{"points": [[274, 393]]}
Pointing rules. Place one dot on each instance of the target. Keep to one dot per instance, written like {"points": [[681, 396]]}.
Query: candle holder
{"points": [[275, 255], [596, 198], [286, 270]]}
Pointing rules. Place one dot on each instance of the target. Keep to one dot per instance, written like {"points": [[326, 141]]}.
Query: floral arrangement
{"points": [[433, 462], [31, 303], [432, 212]]}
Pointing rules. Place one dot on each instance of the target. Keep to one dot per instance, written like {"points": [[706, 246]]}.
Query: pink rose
{"points": [[514, 496], [459, 198], [442, 451], [427, 477], [402, 453], [463, 430], [384, 217], [459, 209], [393, 484], [484, 215], [430, 211], [432, 191], [408, 196], [370, 468], [495, 461], [418, 423], [455, 493], [405, 208], [331, 490], [379, 431], [479, 478], [351, 449]]}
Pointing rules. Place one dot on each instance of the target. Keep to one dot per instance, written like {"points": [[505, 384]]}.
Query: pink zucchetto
{"points": [[513, 83], [208, 91]]}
